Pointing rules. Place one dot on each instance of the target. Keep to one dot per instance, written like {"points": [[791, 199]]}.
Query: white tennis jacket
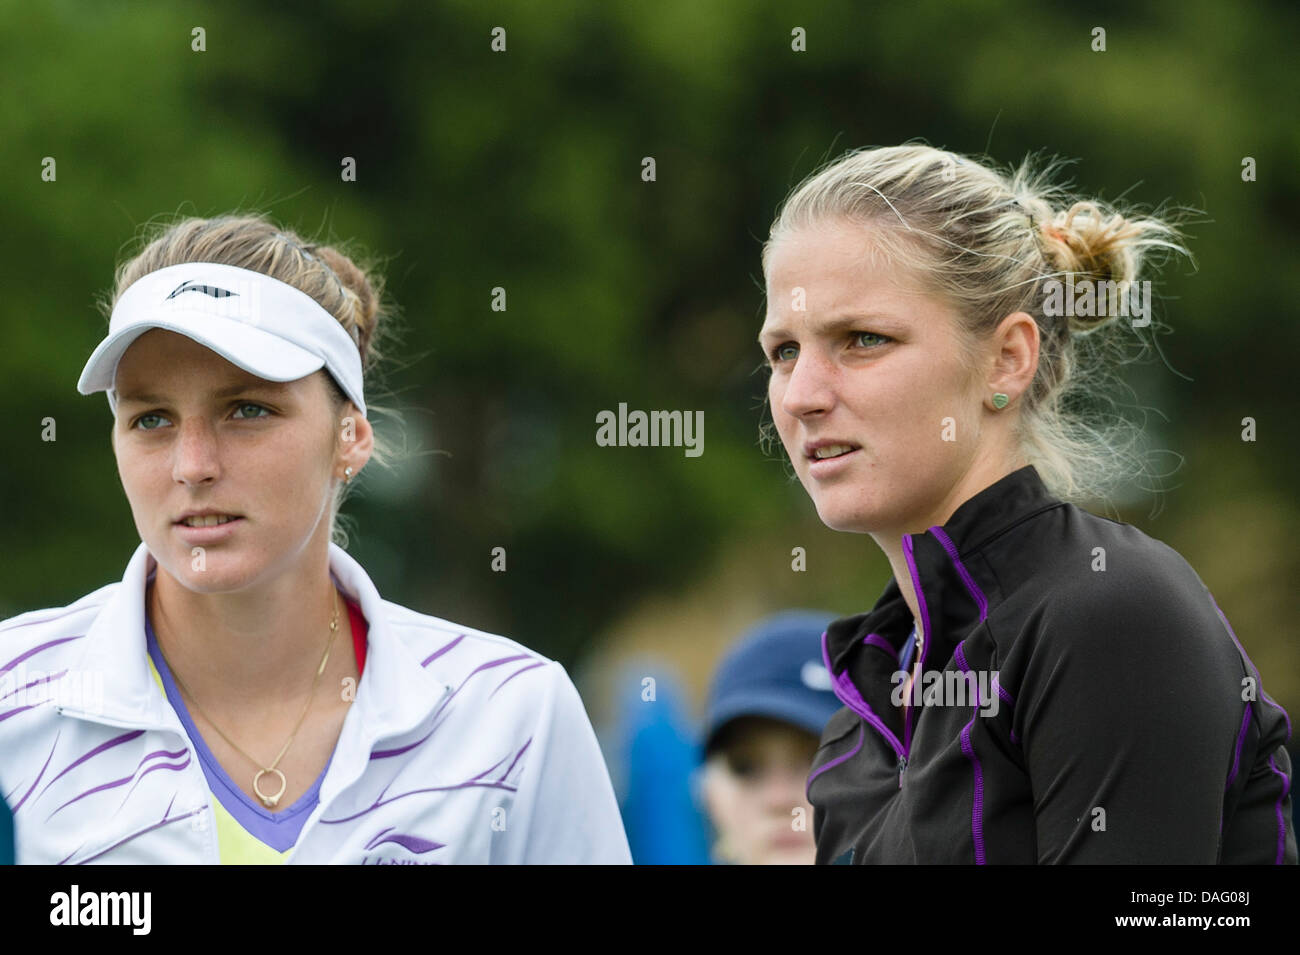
{"points": [[460, 746]]}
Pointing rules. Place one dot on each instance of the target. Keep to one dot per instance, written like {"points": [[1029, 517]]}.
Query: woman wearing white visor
{"points": [[245, 695]]}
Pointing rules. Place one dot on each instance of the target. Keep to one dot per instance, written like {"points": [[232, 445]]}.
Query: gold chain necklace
{"points": [[269, 800]]}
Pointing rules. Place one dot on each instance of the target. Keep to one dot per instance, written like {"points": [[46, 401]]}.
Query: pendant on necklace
{"points": [[270, 801]]}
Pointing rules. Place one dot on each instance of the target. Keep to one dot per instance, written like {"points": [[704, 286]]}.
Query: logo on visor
{"points": [[205, 289]]}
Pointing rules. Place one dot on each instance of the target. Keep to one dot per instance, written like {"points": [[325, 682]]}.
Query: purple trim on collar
{"points": [[848, 695], [926, 633], [278, 830], [976, 594], [876, 640]]}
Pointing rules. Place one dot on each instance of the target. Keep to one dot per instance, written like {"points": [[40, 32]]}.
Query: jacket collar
{"points": [[955, 585], [395, 693]]}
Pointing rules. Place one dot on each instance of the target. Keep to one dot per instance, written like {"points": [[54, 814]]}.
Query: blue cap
{"points": [[774, 670]]}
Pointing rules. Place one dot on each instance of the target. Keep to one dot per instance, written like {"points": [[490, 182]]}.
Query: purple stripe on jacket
{"points": [[1241, 738], [835, 762], [37, 780], [967, 747], [35, 650], [115, 741], [1281, 819], [876, 640], [976, 594], [441, 650], [926, 631]]}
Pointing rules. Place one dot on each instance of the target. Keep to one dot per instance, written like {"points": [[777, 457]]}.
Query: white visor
{"points": [[264, 326]]}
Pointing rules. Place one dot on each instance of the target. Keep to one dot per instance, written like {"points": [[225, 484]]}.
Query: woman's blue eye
{"points": [[239, 416], [790, 351], [858, 336]]}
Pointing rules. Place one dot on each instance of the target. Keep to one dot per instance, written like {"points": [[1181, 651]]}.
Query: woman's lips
{"points": [[208, 535], [822, 468]]}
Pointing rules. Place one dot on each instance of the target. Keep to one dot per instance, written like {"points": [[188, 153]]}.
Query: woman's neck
{"points": [[245, 650], [983, 473], [892, 546]]}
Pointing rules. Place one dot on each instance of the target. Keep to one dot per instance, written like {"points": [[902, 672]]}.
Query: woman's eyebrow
{"points": [[229, 391], [832, 325]]}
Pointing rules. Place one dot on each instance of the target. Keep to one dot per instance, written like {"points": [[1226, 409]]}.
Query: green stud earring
{"points": [[999, 400]]}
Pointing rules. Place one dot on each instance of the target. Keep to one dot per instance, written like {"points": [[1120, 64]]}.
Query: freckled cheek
{"points": [[144, 480], [903, 405], [288, 474], [785, 423], [774, 392]]}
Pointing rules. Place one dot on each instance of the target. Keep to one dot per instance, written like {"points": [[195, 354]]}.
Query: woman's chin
{"points": [[842, 518], [204, 572], [206, 582]]}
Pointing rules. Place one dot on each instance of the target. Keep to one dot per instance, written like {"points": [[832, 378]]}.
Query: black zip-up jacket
{"points": [[1110, 714]]}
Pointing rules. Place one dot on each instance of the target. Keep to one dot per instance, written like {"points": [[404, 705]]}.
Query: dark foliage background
{"points": [[522, 170]]}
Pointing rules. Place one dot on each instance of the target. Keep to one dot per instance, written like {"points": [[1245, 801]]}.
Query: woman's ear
{"points": [[356, 439], [1015, 359]]}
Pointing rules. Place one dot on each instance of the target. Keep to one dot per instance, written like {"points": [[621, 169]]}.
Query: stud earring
{"points": [[999, 400], [347, 476]]}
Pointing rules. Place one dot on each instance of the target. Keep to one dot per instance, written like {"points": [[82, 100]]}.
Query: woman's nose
{"points": [[810, 387], [197, 457]]}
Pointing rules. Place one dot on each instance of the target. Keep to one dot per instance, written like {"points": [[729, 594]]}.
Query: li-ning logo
{"points": [[205, 289], [416, 845], [238, 302]]}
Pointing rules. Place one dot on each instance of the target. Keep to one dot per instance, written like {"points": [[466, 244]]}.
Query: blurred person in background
{"points": [[768, 702], [653, 754]]}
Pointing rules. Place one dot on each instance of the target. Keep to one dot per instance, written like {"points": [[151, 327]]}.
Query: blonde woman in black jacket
{"points": [[1036, 684]]}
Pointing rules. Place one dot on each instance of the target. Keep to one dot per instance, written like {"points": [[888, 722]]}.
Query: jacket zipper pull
{"points": [[902, 765]]}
